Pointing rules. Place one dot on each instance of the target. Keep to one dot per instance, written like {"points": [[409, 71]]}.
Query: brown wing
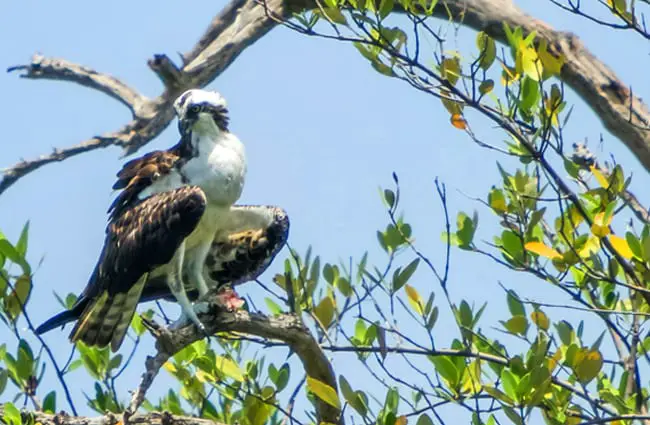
{"points": [[144, 237], [241, 256], [138, 174], [242, 249]]}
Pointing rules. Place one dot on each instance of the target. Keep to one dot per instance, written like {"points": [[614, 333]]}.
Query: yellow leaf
{"points": [[508, 75], [452, 106], [552, 65], [599, 227], [170, 367], [526, 62], [540, 319], [554, 360], [621, 246], [497, 201], [602, 181], [472, 379], [401, 420], [587, 364], [450, 70], [229, 368], [324, 392], [540, 249], [203, 376], [591, 247], [414, 299], [324, 311], [458, 121]]}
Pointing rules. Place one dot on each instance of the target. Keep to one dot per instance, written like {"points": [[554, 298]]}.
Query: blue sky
{"points": [[321, 128]]}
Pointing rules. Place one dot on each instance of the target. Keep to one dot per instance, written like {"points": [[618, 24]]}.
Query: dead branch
{"points": [[286, 328], [61, 69], [234, 29]]}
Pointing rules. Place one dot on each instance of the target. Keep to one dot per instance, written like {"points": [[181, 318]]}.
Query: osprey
{"points": [[174, 229]]}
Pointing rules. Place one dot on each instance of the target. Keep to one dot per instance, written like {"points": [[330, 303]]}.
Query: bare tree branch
{"points": [[61, 69], [238, 26], [286, 328]]}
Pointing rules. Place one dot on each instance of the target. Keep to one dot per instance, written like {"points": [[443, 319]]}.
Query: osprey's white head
{"points": [[201, 110]]}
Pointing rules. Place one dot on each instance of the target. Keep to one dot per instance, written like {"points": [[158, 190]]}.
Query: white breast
{"points": [[219, 169]]}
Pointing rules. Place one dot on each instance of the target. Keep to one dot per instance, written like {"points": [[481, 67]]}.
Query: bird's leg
{"points": [[196, 276], [175, 282]]}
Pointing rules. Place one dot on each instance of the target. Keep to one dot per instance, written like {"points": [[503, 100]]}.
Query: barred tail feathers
{"points": [[107, 318]]}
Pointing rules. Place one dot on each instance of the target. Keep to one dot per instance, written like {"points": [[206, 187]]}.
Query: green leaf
{"points": [[114, 363], [382, 68], [324, 392], [25, 361], [335, 15], [529, 94], [49, 402], [273, 306], [486, 87], [229, 368], [357, 399], [587, 364], [325, 310], [12, 414], [465, 313], [513, 415], [446, 368], [450, 70], [404, 276], [515, 306], [392, 400], [487, 50], [565, 331], [4, 376], [385, 7], [465, 232], [21, 246], [635, 245], [517, 325], [74, 365], [433, 317], [279, 377], [424, 419], [510, 383], [9, 251], [389, 197]]}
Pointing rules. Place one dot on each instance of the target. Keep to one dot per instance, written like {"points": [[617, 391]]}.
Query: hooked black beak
{"points": [[185, 125]]}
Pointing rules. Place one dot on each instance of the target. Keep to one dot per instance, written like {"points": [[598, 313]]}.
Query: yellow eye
{"points": [[195, 109]]}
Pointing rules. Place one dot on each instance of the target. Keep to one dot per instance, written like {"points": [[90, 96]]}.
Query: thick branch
{"points": [[286, 328], [154, 418]]}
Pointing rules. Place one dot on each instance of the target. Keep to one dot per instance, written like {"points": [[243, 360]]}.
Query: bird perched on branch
{"points": [[174, 231]]}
